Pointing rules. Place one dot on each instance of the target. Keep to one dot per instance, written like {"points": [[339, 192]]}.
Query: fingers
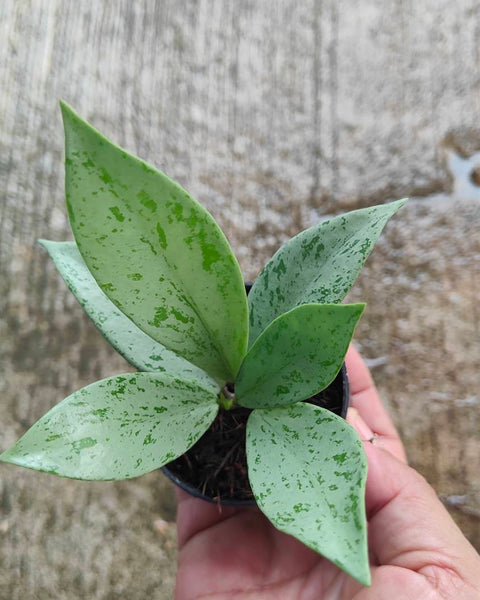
{"points": [[195, 515], [391, 443], [367, 404], [408, 525]]}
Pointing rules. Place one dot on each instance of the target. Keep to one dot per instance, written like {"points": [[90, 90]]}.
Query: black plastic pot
{"points": [[337, 394]]}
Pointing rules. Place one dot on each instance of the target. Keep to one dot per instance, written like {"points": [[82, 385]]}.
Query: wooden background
{"points": [[273, 114]]}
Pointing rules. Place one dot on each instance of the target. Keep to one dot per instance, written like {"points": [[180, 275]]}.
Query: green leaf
{"points": [[318, 265], [297, 356], [132, 343], [117, 428], [156, 253], [307, 469]]}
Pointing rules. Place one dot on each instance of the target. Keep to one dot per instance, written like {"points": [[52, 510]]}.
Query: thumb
{"points": [[408, 525]]}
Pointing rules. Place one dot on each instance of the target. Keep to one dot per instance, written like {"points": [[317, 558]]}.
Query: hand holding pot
{"points": [[417, 551]]}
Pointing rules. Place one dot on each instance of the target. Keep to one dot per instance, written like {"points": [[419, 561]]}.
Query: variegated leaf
{"points": [[297, 355], [156, 253], [307, 469], [117, 428], [132, 343], [318, 265]]}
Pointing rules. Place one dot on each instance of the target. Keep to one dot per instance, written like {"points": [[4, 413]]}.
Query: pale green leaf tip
{"points": [[49, 245], [400, 203], [45, 243], [364, 577], [367, 579], [9, 456]]}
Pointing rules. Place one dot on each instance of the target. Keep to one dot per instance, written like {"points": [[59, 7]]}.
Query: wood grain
{"points": [[273, 115]]}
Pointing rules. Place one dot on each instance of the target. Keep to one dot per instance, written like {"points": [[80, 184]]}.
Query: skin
{"points": [[417, 552]]}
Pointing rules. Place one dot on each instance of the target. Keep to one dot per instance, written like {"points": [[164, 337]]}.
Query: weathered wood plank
{"points": [[274, 115]]}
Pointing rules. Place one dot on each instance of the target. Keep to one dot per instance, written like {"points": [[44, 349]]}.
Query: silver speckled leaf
{"points": [[307, 469], [155, 251], [318, 265], [139, 349], [297, 355], [117, 428]]}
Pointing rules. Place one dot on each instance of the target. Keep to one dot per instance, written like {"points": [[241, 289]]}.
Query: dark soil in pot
{"points": [[215, 468]]}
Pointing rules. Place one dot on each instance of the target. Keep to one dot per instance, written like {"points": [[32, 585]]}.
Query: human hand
{"points": [[417, 551]]}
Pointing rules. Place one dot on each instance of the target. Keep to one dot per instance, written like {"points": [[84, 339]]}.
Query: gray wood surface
{"points": [[274, 115]]}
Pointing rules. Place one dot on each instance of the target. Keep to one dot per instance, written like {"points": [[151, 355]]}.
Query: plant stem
{"points": [[226, 399]]}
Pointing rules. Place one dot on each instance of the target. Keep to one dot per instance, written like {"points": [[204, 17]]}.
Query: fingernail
{"points": [[363, 430]]}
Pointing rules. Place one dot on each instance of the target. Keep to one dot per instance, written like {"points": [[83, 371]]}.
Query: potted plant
{"points": [[157, 276]]}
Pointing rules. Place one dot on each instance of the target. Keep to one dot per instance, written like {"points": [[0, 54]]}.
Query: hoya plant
{"points": [[158, 278]]}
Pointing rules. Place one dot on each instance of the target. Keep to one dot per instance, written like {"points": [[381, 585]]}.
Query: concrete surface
{"points": [[274, 115]]}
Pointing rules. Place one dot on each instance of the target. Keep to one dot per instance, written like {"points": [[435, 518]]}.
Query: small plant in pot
{"points": [[158, 278]]}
